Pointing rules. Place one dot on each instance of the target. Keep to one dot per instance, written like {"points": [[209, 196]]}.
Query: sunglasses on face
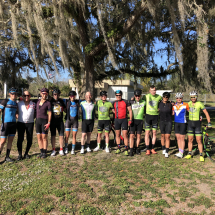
{"points": [[137, 96], [45, 94], [71, 96], [166, 97], [26, 95], [13, 93], [193, 97], [178, 98], [118, 95], [55, 94]]}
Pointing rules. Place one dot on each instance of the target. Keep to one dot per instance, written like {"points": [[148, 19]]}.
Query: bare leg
{"points": [[107, 139], [83, 136], [118, 136], [125, 136], [167, 140], [45, 141], [67, 134], [132, 140], [88, 137], [163, 139], [154, 137], [138, 139], [53, 140], [3, 141], [40, 141], [178, 137], [74, 134], [190, 142], [99, 138], [147, 140], [199, 141], [182, 141], [61, 141]]}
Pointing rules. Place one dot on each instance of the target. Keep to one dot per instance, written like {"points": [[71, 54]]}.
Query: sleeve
{"points": [[187, 107], [160, 98], [128, 103], [3, 104], [144, 98], [113, 104], [173, 108], [202, 106], [63, 104], [49, 107]]}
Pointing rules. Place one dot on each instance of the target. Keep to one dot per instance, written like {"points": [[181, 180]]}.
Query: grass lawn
{"points": [[101, 183]]}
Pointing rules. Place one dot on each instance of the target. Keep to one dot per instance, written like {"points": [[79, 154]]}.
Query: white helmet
{"points": [[193, 93], [179, 95]]}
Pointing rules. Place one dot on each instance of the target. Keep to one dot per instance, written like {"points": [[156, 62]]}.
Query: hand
{"points": [[47, 126], [130, 122], [209, 125]]}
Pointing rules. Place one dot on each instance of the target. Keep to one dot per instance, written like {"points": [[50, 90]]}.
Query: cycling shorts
{"points": [[121, 123], [180, 128], [40, 123], [59, 126], [136, 126], [103, 124], [165, 127], [151, 121], [87, 125], [194, 127], [8, 129], [71, 124]]}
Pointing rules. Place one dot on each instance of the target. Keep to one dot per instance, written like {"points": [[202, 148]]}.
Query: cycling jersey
{"points": [[42, 109], [26, 114], [194, 113], [88, 110], [165, 111], [138, 109], [9, 109], [104, 109], [152, 103], [57, 110], [180, 112], [72, 110], [120, 108]]}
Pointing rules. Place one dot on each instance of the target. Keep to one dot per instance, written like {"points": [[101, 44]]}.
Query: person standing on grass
{"points": [[9, 109], [88, 118], [72, 115], [103, 106], [137, 106], [26, 110], [179, 111], [151, 117], [194, 124], [165, 113], [43, 120], [58, 107], [121, 122]]}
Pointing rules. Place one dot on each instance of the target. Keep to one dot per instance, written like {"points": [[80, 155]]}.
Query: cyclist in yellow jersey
{"points": [[194, 124]]}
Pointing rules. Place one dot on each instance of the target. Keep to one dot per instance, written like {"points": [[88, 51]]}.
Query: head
{"points": [[166, 96], [56, 94], [88, 96], [179, 97], [44, 93], [137, 95], [103, 95], [118, 95], [13, 93], [152, 90], [26, 96], [193, 96], [72, 95]]}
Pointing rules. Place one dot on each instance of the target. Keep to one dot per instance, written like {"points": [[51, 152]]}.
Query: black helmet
{"points": [[56, 91], [13, 90], [44, 90], [72, 93], [103, 93], [118, 92], [137, 92], [166, 94]]}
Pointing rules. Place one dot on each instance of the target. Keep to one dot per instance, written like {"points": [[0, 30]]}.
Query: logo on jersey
{"points": [[137, 106], [193, 110], [57, 109], [152, 103], [103, 109]]}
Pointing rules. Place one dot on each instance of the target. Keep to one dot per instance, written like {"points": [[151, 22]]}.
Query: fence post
{"points": [[5, 90]]}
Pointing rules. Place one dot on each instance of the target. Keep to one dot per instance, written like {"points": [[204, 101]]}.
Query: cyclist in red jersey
{"points": [[120, 108]]}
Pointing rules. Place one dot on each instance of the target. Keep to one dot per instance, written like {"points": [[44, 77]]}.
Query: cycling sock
{"points": [[20, 153], [163, 147], [147, 147], [190, 153], [82, 146], [181, 151], [0, 152], [131, 150], [61, 149], [107, 145], [88, 145], [53, 149], [8, 153], [45, 151], [66, 145], [126, 148], [119, 146], [153, 146], [41, 150], [98, 144], [167, 150], [200, 154], [73, 146]]}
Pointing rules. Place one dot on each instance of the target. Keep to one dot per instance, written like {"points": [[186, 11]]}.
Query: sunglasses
{"points": [[26, 95], [13, 93], [71, 96], [193, 97], [137, 96], [178, 98], [44, 93], [118, 95], [55, 94], [166, 97]]}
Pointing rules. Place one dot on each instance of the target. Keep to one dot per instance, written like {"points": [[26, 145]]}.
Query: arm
{"points": [[49, 120], [207, 115], [130, 112]]}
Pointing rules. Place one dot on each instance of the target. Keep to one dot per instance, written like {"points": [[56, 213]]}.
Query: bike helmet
{"points": [[118, 92], [193, 93], [56, 91], [137, 92], [103, 93], [166, 94], [13, 90], [179, 95], [72, 93], [44, 90]]}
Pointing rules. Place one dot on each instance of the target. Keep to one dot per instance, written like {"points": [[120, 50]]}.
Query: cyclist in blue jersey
{"points": [[9, 109], [71, 121], [88, 115]]}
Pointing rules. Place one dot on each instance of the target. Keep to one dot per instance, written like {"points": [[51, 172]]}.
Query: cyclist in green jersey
{"points": [[194, 124], [137, 107], [151, 118], [103, 106]]}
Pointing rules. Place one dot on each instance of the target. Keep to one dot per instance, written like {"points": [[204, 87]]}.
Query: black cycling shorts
{"points": [[151, 121], [87, 125], [136, 126], [8, 129], [180, 128], [103, 124], [165, 127], [121, 123], [59, 126], [194, 127], [71, 124], [40, 129]]}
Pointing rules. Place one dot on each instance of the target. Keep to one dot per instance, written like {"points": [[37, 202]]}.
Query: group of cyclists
{"points": [[48, 111]]}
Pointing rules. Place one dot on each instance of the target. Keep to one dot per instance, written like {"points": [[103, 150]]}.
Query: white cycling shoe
{"points": [[179, 155], [61, 152], [66, 151], [164, 152], [88, 149], [53, 153], [107, 150], [73, 152], [82, 151], [96, 149], [166, 155]]}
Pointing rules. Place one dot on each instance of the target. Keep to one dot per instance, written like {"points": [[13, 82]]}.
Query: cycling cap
{"points": [[72, 93], [56, 91], [166, 94], [103, 93], [137, 92], [13, 90], [179, 95], [193, 93], [44, 90], [118, 92]]}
